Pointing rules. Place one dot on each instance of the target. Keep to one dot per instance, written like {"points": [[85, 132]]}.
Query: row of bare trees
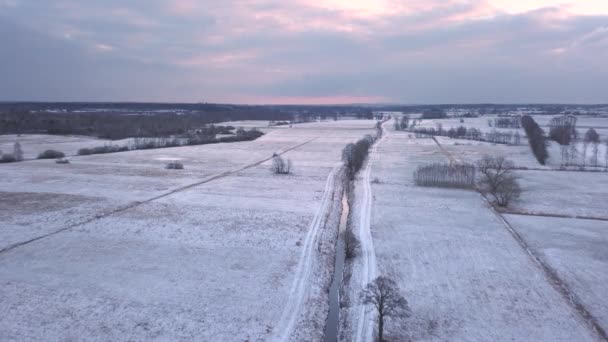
{"points": [[496, 178], [446, 175], [495, 137], [563, 131], [353, 155], [506, 122]]}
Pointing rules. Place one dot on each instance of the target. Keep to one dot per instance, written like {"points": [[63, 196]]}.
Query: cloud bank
{"points": [[304, 51]]}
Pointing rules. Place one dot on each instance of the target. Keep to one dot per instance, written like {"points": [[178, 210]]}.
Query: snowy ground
{"points": [[576, 249], [116, 247], [227, 260], [33, 144], [466, 278]]}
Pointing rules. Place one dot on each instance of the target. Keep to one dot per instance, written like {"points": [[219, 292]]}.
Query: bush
{"points": [[498, 180], [446, 175], [174, 165], [351, 244], [51, 154], [280, 166], [62, 161], [7, 158]]}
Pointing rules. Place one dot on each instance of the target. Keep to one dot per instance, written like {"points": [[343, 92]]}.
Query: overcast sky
{"points": [[305, 51]]}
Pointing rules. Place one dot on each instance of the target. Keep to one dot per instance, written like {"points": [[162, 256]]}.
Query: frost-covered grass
{"points": [[215, 262], [564, 193], [576, 250], [463, 274]]}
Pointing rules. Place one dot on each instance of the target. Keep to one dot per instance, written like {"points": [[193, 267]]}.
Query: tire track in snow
{"points": [[301, 283], [364, 329], [138, 203]]}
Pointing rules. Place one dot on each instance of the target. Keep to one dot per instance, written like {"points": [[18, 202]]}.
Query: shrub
{"points": [[51, 154], [446, 175], [280, 166], [7, 158], [62, 161], [498, 180], [174, 165], [351, 244]]}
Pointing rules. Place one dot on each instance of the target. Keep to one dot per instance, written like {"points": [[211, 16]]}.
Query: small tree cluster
{"points": [[402, 123], [498, 180], [280, 166], [446, 175], [174, 165], [353, 155], [536, 138], [507, 122], [51, 154]]}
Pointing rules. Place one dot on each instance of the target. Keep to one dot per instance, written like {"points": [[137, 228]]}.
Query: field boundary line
{"points": [[132, 205], [574, 217], [550, 274]]}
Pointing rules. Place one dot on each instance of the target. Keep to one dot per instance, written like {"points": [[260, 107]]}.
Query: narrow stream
{"points": [[333, 319]]}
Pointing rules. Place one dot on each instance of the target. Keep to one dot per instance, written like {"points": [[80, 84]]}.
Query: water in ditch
{"points": [[333, 319]]}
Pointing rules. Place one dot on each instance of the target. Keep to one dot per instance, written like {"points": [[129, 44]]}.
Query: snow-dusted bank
{"points": [[156, 254]]}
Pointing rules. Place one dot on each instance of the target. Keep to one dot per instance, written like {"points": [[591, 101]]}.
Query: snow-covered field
{"points": [[33, 144], [576, 250], [116, 247], [241, 257], [464, 274]]}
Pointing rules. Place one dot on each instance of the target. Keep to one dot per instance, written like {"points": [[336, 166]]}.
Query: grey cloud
{"points": [[504, 58]]}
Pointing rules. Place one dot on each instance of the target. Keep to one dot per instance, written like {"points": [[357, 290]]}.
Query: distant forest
{"points": [[122, 120]]}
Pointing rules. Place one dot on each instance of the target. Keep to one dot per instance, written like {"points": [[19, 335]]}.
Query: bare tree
{"points": [[17, 151], [573, 154], [280, 166], [384, 294], [517, 137], [498, 180], [591, 137]]}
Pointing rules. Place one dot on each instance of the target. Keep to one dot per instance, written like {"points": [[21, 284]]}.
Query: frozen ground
{"points": [[220, 261], [564, 193], [576, 250], [33, 144], [464, 275]]}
